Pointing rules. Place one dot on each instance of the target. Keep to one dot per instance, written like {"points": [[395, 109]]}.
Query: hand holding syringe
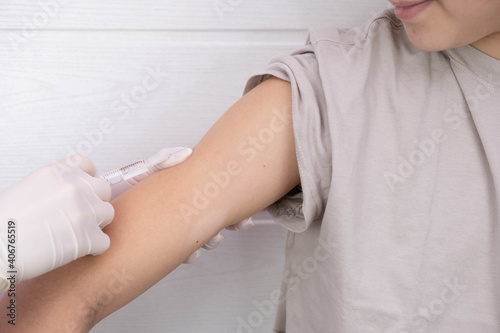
{"points": [[126, 177], [56, 214]]}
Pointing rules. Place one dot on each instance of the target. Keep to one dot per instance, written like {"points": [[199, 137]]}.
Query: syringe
{"points": [[126, 177]]}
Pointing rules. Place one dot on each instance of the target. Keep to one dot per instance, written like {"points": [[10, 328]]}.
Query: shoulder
{"points": [[384, 25], [379, 48]]}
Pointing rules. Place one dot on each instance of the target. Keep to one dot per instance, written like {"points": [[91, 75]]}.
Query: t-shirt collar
{"points": [[485, 67]]}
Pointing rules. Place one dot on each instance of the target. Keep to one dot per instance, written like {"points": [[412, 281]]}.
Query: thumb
{"points": [[172, 156]]}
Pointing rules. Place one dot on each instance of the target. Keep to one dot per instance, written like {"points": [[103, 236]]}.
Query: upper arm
{"points": [[244, 163], [247, 160]]}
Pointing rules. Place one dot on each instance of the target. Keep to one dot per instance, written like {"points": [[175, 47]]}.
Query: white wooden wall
{"points": [[64, 66]]}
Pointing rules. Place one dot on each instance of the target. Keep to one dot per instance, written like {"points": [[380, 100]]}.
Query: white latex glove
{"points": [[58, 212], [165, 158], [214, 242]]}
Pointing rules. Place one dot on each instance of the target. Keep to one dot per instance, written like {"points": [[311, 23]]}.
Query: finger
{"points": [[105, 212], [243, 225], [120, 188], [3, 284], [81, 162], [100, 186], [176, 156], [82, 166], [214, 242], [100, 242], [192, 258]]}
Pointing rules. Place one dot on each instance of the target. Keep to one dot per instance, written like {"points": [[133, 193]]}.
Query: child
{"points": [[393, 139]]}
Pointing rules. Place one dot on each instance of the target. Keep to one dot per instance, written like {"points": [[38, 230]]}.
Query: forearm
{"points": [[164, 219], [149, 239]]}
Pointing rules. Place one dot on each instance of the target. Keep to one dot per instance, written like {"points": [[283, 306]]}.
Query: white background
{"points": [[64, 69]]}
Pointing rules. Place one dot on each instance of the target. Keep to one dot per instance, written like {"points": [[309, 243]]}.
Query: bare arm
{"points": [[243, 164]]}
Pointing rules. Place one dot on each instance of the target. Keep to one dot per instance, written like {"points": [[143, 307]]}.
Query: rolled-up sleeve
{"points": [[306, 202]]}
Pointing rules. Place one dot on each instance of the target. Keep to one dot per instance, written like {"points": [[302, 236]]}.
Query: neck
{"points": [[489, 45]]}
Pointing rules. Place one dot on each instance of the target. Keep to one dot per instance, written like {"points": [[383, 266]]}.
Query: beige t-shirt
{"points": [[395, 227]]}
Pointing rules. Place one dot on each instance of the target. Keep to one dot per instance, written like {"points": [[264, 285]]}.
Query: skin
{"points": [[447, 24], [151, 230]]}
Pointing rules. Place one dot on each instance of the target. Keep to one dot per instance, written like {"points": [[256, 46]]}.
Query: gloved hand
{"points": [[165, 158], [56, 215], [214, 242]]}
